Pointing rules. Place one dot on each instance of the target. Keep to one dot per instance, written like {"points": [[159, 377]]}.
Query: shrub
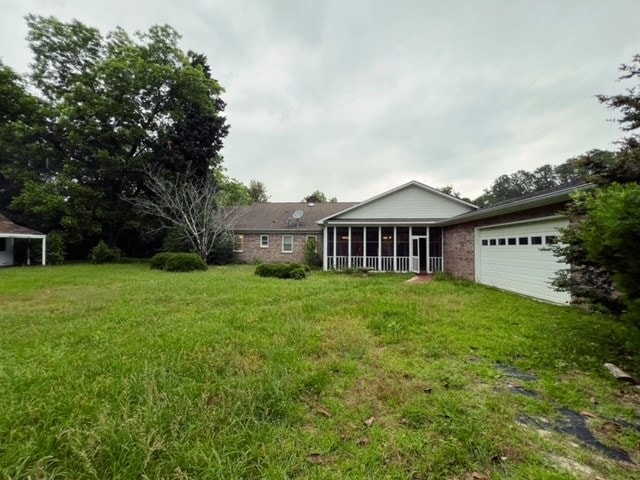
{"points": [[185, 262], [281, 270], [103, 253], [298, 274], [55, 249], [159, 261], [311, 256]]}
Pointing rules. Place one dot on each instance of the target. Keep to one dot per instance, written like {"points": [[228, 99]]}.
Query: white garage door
{"points": [[512, 257]]}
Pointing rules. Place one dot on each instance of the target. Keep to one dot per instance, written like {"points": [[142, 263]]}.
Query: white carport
{"points": [[10, 231]]}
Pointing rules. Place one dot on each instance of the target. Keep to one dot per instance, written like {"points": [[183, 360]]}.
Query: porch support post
{"points": [[325, 243], [44, 250], [335, 246], [349, 250], [395, 249], [364, 247], [380, 248]]}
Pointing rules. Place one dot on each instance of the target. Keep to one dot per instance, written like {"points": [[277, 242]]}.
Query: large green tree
{"points": [[514, 185], [601, 243], [112, 105]]}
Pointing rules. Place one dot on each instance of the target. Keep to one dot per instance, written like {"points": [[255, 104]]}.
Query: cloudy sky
{"points": [[353, 97]]}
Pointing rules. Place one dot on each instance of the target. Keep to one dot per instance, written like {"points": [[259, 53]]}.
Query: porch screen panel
{"points": [[435, 241], [419, 231], [372, 242], [357, 241], [342, 242], [330, 242], [402, 241], [387, 241]]}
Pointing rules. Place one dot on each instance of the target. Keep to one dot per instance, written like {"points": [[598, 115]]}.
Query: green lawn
{"points": [[124, 372]]}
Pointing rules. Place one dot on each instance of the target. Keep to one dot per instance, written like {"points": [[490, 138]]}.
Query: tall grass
{"points": [[125, 372]]}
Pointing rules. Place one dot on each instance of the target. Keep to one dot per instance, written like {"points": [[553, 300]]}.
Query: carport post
{"points": [[44, 250]]}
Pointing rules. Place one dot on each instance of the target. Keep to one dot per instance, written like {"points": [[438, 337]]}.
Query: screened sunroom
{"points": [[384, 248]]}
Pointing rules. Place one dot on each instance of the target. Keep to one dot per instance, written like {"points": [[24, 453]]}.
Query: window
{"points": [[502, 241], [492, 242], [313, 238], [239, 243], [287, 243], [536, 240], [523, 241], [512, 241], [485, 242], [3, 244], [264, 241], [550, 239]]}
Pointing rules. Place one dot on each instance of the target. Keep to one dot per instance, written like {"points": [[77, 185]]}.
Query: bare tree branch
{"points": [[189, 206]]}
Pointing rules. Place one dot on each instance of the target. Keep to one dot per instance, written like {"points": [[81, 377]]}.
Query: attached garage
{"points": [[515, 257]]}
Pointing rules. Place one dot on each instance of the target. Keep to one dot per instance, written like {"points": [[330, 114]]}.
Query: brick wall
{"points": [[252, 251], [459, 240]]}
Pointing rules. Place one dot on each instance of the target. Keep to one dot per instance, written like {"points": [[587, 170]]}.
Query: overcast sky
{"points": [[355, 97]]}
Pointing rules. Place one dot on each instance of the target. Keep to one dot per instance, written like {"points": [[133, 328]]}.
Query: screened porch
{"points": [[384, 248]]}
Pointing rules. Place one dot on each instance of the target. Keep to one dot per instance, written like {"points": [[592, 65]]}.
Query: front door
{"points": [[415, 255], [419, 255]]}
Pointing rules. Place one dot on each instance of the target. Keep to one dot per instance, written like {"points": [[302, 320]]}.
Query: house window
{"points": [[3, 244], [523, 241], [502, 241], [238, 245], [536, 240], [511, 241], [485, 242], [492, 242], [315, 239], [264, 241], [550, 239], [287, 243]]}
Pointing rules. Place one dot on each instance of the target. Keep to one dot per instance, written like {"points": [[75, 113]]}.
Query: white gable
{"points": [[411, 202]]}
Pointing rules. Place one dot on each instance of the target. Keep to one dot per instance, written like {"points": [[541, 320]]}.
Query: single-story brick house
{"points": [[416, 228], [9, 232]]}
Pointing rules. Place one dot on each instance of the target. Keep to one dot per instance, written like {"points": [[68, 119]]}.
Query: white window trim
{"points": [[261, 237], [315, 237], [235, 242], [287, 251]]}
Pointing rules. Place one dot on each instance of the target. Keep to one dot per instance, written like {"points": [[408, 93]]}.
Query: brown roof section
{"points": [[8, 227], [270, 216]]}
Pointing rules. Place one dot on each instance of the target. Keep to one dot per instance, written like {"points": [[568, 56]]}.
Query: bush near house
{"points": [[185, 262], [282, 270], [103, 253], [159, 261]]}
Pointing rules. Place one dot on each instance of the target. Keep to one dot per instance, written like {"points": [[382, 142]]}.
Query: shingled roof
{"points": [[8, 228], [278, 216]]}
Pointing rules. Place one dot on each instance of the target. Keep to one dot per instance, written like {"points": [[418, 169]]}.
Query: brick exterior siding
{"points": [[252, 251], [459, 240]]}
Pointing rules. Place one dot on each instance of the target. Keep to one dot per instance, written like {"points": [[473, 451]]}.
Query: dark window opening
{"points": [[550, 239], [485, 242], [536, 240], [502, 241], [512, 241], [492, 241], [523, 241]]}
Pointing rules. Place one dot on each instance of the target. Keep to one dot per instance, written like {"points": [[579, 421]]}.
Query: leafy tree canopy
{"points": [[105, 107], [319, 197]]}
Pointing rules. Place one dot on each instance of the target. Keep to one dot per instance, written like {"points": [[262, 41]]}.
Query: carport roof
{"points": [[9, 229]]}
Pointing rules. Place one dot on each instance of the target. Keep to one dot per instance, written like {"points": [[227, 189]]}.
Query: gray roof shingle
{"points": [[270, 216]]}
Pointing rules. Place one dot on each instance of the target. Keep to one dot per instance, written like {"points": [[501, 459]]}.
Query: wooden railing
{"points": [[383, 264]]}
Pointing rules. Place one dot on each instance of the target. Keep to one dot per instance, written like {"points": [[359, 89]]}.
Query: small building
{"points": [[9, 232]]}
